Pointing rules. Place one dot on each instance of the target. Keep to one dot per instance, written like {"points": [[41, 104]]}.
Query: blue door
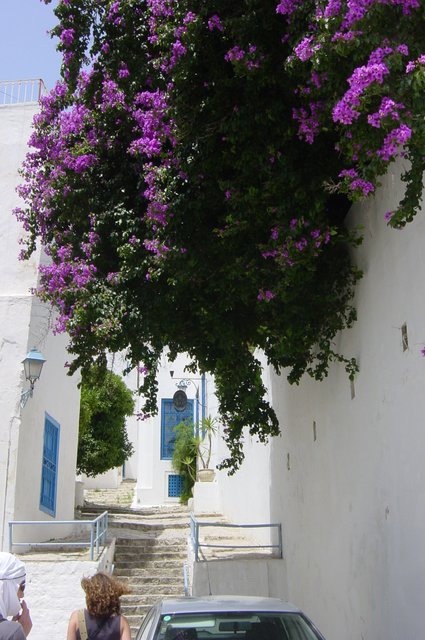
{"points": [[49, 470], [170, 417]]}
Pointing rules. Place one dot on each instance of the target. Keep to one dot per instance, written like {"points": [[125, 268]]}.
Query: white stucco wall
{"points": [[350, 491], [53, 588], [254, 479], [57, 395], [15, 303], [131, 379], [53, 592], [240, 577], [24, 323], [109, 480], [113, 478], [133, 428]]}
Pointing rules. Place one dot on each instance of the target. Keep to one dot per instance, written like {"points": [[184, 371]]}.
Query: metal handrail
{"points": [[196, 524], [21, 91], [186, 580], [98, 533]]}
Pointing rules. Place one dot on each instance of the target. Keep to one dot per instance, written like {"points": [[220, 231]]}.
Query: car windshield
{"points": [[234, 626]]}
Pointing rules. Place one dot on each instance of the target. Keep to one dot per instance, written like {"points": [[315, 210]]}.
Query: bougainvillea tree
{"points": [[190, 176]]}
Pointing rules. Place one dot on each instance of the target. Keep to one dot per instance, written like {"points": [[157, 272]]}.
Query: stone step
{"points": [[169, 521], [151, 552], [165, 590], [144, 527], [157, 562], [150, 564], [149, 542], [135, 620], [150, 546], [167, 513], [139, 609], [150, 581], [132, 556], [135, 599], [96, 494], [128, 573]]}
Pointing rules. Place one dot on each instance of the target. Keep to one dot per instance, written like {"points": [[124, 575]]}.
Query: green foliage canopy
{"points": [[190, 178], [105, 402]]}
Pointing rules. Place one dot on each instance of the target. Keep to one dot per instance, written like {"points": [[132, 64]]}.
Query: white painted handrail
{"points": [[196, 524], [98, 533], [21, 91]]}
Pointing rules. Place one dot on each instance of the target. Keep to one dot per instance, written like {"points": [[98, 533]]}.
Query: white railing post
{"points": [[185, 580], [97, 535], [92, 541]]}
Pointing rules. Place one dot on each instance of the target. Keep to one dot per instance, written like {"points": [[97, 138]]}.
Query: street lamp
{"points": [[33, 364], [182, 385]]}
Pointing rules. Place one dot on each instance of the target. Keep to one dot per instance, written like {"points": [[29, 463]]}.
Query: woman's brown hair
{"points": [[103, 594]]}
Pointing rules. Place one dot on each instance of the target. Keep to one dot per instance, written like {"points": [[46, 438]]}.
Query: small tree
{"points": [[105, 402], [209, 429], [184, 457]]}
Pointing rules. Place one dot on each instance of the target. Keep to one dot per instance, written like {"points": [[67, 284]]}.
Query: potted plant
{"points": [[184, 457], [204, 449]]}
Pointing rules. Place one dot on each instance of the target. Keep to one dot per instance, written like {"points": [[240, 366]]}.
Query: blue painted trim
{"points": [[203, 396], [197, 413], [55, 424]]}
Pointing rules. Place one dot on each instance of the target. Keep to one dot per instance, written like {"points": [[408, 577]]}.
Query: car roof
{"points": [[223, 604]]}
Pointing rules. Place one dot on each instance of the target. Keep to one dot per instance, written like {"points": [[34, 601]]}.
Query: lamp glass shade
{"points": [[33, 364]]}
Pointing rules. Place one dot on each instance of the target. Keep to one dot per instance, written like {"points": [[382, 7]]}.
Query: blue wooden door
{"points": [[170, 417], [49, 470]]}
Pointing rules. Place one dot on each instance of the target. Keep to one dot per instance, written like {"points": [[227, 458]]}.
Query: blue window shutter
{"points": [[170, 417], [175, 486], [49, 471]]}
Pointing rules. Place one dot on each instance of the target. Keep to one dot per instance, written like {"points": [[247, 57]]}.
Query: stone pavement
{"points": [[122, 496]]}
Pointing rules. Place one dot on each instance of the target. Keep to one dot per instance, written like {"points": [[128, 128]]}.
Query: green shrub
{"points": [[102, 441]]}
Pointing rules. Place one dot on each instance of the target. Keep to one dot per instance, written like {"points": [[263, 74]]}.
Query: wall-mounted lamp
{"points": [[33, 364], [182, 384]]}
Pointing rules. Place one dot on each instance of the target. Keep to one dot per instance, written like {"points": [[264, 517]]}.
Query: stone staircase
{"points": [[151, 547], [153, 569]]}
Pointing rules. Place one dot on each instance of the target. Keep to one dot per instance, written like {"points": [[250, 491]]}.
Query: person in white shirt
{"points": [[15, 619]]}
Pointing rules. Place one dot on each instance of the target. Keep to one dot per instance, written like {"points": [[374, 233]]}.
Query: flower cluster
{"points": [[296, 245], [249, 58], [374, 118]]}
